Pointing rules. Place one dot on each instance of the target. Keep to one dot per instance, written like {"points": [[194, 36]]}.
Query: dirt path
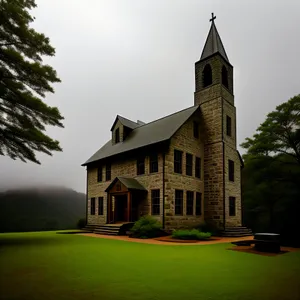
{"points": [[157, 242]]}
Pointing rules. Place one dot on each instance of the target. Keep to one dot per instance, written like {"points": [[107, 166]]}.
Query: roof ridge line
{"points": [[166, 116], [127, 119]]}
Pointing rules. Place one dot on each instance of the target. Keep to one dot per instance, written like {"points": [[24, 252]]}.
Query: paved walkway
{"points": [[157, 242]]}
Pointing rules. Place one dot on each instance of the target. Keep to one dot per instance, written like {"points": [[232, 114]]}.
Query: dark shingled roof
{"points": [[126, 122], [130, 183], [151, 133], [213, 44]]}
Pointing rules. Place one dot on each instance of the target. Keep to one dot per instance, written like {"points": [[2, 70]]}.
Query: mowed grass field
{"points": [[46, 265]]}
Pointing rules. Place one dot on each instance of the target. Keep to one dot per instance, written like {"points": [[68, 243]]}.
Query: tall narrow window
{"points": [[228, 125], [99, 174], [178, 161], [232, 206], [100, 206], [153, 161], [189, 203], [224, 76], [92, 206], [178, 202], [230, 170], [198, 167], [140, 166], [207, 76], [117, 135], [189, 164], [196, 129], [155, 202], [108, 172], [198, 204]]}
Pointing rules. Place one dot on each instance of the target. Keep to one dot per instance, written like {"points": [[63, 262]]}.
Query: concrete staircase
{"points": [[238, 231], [110, 229]]}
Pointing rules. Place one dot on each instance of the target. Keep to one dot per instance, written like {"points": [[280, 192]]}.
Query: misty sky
{"points": [[136, 58]]}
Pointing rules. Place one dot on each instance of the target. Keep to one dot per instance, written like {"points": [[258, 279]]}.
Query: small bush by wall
{"points": [[146, 227], [207, 227], [193, 234], [81, 223]]}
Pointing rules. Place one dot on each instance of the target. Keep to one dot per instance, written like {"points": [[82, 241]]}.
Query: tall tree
{"points": [[270, 179], [24, 81], [279, 133]]}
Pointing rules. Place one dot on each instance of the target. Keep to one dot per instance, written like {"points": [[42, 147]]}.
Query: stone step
{"points": [[89, 227], [237, 228], [237, 234], [106, 232], [108, 227], [233, 231]]}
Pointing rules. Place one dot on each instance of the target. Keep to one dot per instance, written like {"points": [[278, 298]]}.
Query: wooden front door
{"points": [[121, 208]]}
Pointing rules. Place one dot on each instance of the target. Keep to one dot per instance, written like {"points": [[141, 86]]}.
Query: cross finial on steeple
{"points": [[212, 18]]}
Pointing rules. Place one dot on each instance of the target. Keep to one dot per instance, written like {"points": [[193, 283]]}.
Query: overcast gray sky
{"points": [[136, 58]]}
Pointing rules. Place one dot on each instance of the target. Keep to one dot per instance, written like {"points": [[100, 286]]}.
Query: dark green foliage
{"points": [[193, 234], [207, 227], [24, 81], [270, 179], [40, 209], [279, 133], [146, 227], [81, 223]]}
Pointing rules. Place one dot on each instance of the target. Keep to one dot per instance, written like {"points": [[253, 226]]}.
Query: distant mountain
{"points": [[40, 208]]}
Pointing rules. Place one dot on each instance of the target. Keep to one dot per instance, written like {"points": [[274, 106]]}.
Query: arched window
{"points": [[224, 76], [207, 76]]}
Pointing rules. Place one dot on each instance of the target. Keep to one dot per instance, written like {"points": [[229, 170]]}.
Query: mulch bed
{"points": [[251, 249], [170, 239]]}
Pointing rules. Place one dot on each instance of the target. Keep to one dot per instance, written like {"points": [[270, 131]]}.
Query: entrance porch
{"points": [[124, 199]]}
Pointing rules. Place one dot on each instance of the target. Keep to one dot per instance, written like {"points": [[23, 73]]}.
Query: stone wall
{"points": [[124, 168], [233, 189], [211, 111], [216, 62], [216, 102], [184, 141]]}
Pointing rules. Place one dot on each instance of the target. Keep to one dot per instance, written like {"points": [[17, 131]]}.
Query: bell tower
{"points": [[222, 163]]}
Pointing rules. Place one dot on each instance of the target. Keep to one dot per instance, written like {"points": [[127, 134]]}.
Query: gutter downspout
{"points": [[86, 197], [223, 150], [163, 180]]}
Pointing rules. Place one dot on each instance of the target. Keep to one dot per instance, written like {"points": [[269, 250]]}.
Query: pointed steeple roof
{"points": [[213, 43]]}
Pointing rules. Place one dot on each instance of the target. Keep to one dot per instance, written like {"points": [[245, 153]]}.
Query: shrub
{"points": [[146, 227], [81, 223], [193, 234], [206, 227]]}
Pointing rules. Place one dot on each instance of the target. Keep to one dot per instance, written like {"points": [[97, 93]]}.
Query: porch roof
{"points": [[130, 183]]}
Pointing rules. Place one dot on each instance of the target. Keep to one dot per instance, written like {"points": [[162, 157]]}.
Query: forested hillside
{"points": [[36, 209]]}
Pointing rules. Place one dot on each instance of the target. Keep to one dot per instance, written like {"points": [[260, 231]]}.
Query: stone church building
{"points": [[183, 168]]}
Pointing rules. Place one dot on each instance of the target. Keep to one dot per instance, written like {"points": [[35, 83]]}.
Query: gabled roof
{"points": [[151, 133], [213, 44], [126, 122], [130, 183]]}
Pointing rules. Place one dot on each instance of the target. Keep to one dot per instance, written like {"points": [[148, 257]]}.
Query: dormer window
{"points": [[117, 135]]}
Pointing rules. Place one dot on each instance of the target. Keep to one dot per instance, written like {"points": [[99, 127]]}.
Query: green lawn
{"points": [[68, 266]]}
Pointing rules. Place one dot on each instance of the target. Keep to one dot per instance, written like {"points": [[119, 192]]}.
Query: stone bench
{"points": [[267, 242]]}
